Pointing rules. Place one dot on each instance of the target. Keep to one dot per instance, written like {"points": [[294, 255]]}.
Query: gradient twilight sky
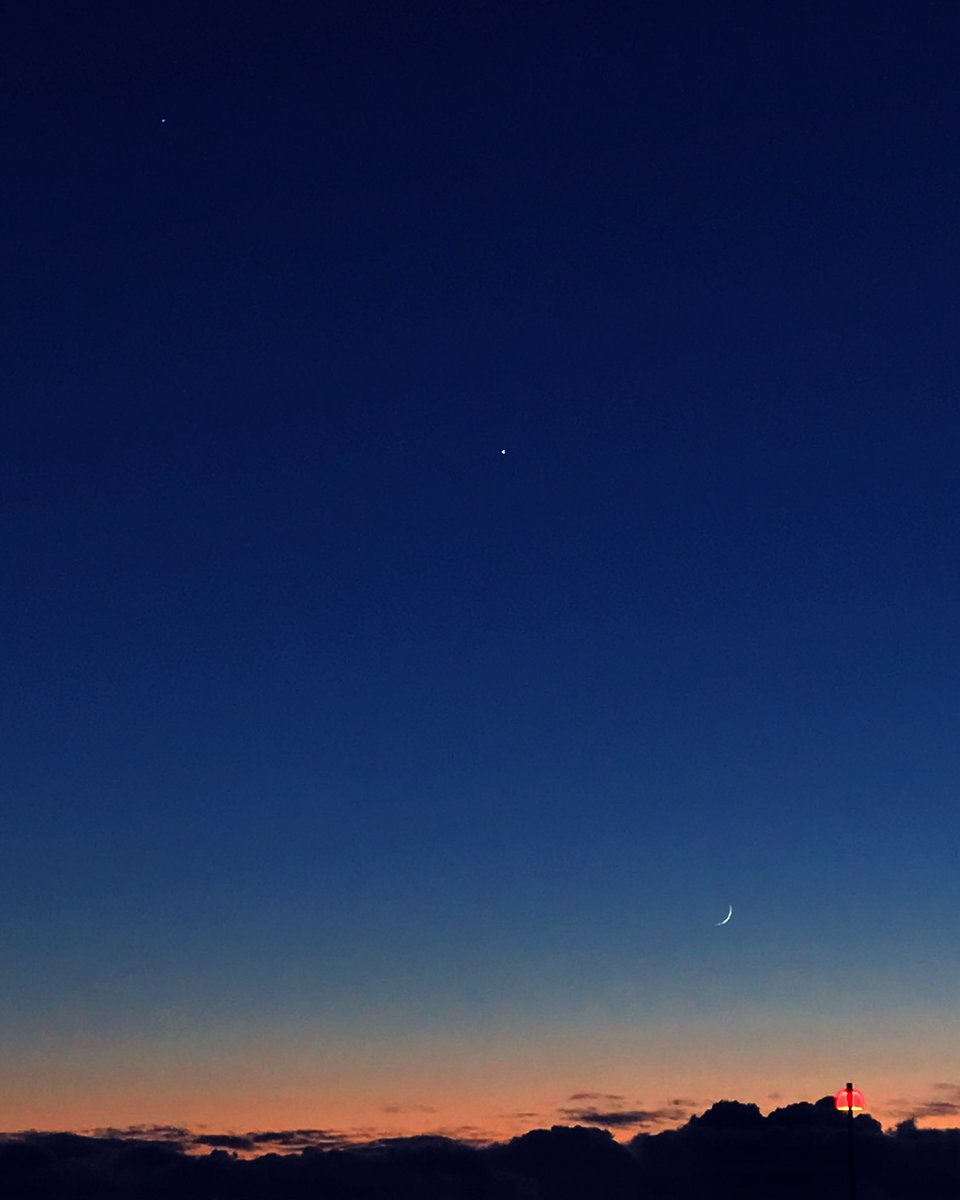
{"points": [[358, 775]]}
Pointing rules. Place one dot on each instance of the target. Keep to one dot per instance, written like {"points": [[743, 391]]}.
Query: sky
{"points": [[478, 498]]}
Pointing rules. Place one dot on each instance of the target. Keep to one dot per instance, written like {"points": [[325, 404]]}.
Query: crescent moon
{"points": [[727, 917]]}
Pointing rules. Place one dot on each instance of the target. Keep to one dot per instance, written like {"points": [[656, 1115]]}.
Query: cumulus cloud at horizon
{"points": [[796, 1150], [610, 1110]]}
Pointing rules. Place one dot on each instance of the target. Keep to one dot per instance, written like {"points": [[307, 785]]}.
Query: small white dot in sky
{"points": [[163, 120], [503, 451]]}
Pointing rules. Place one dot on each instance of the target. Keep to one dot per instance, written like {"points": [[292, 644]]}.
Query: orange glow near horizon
{"points": [[473, 1083], [473, 1107]]}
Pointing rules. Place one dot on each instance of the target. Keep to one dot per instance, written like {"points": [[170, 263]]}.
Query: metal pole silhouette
{"points": [[851, 1099]]}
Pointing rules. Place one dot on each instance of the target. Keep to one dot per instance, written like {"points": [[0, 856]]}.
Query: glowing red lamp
{"points": [[849, 1099]]}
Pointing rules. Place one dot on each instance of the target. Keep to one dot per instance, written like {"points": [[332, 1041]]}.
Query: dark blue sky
{"points": [[304, 679]]}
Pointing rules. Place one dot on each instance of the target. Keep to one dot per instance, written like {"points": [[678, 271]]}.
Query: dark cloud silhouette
{"points": [[936, 1108], [273, 1140], [946, 1103], [300, 1138], [729, 1152], [615, 1115], [174, 1133], [566, 1163], [225, 1139], [468, 1135], [730, 1114], [620, 1118]]}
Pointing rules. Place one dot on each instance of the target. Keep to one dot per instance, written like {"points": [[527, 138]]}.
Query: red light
{"points": [[849, 1098]]}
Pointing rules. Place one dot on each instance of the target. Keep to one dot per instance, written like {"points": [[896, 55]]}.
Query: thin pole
{"points": [[852, 1172]]}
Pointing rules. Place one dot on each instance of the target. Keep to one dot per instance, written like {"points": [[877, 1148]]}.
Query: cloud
{"points": [[155, 1132], [462, 1135], [945, 1104], [614, 1114], [732, 1114], [298, 1137], [620, 1117], [284, 1139], [730, 1149], [231, 1141], [935, 1108], [948, 1104]]}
